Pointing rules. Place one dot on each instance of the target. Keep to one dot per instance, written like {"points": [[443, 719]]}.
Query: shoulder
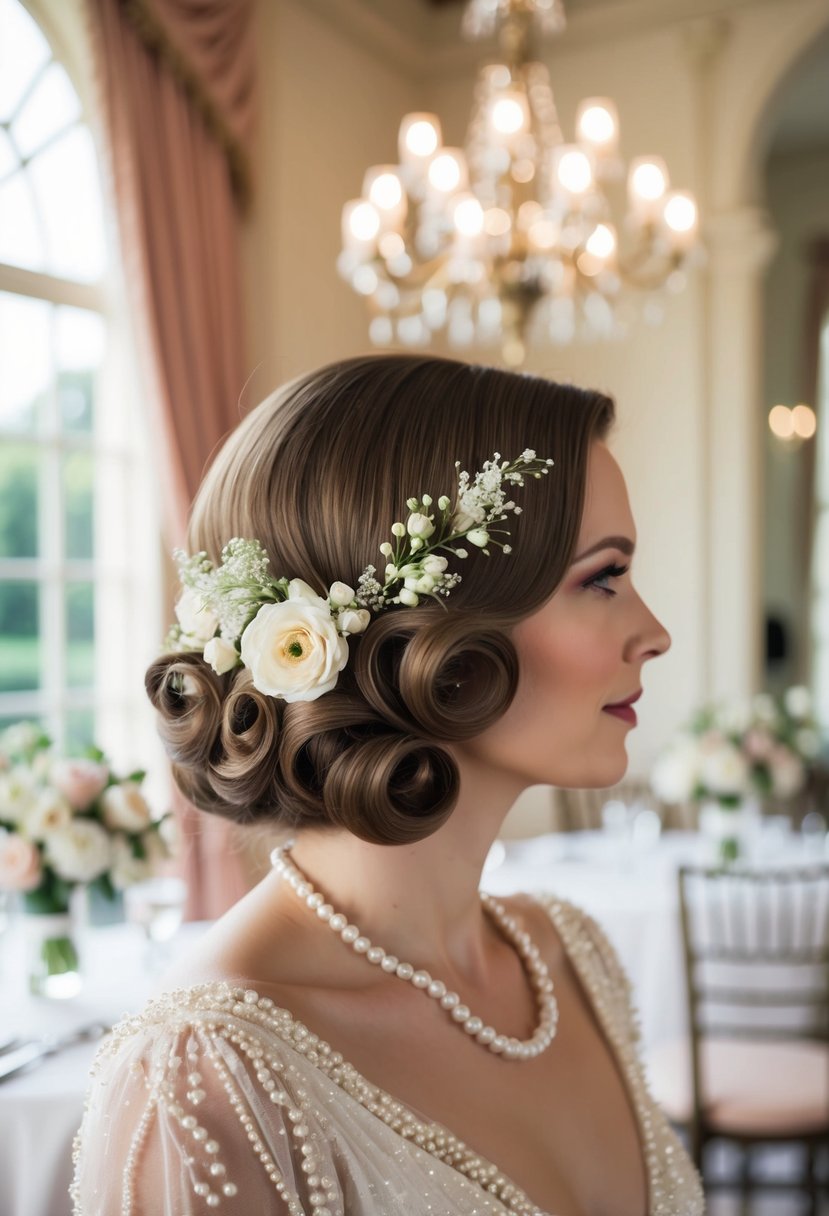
{"points": [[197, 1098]]}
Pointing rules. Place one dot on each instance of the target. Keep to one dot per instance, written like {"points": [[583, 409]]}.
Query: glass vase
{"points": [[52, 954]]}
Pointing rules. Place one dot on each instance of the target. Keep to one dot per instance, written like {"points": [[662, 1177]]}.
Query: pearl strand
{"points": [[504, 1045]]}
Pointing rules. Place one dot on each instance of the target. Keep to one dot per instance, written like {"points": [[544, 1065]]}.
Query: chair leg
{"points": [[745, 1181], [811, 1176]]}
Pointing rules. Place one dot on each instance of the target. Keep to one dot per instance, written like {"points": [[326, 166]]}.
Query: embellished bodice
{"points": [[215, 1098]]}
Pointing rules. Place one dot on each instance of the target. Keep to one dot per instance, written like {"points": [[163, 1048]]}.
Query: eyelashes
{"points": [[608, 572]]}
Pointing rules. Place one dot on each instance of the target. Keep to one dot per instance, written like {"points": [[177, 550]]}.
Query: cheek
{"points": [[573, 660]]}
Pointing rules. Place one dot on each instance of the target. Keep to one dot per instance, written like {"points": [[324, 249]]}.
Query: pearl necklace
{"points": [[537, 973]]}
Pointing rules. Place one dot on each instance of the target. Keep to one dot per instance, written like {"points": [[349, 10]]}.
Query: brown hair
{"points": [[317, 473]]}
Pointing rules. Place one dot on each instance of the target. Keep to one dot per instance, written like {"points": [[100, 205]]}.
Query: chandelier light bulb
{"points": [[447, 171], [364, 222], [648, 179], [386, 192], [468, 216], [497, 221], [601, 242], [574, 171], [391, 245], [419, 138], [680, 212], [781, 422], [597, 123], [508, 114]]}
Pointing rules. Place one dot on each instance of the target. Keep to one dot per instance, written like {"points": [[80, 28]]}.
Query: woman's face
{"points": [[582, 650]]}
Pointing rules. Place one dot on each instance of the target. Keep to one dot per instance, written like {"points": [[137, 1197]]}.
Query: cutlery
{"points": [[16, 1059]]}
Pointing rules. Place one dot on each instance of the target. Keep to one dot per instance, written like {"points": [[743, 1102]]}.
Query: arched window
{"points": [[79, 534]]}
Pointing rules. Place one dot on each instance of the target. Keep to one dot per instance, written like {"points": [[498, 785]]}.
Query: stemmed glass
{"points": [[157, 907]]}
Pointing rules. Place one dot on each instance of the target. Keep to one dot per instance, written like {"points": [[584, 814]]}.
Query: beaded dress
{"points": [[216, 1099]]}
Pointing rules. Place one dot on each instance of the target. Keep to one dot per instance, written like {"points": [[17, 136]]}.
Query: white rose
{"points": [[79, 852], [292, 648], [341, 595], [126, 869], [20, 737], [354, 620], [787, 772], [197, 622], [168, 831], [798, 701], [765, 708], [49, 812], [674, 774], [734, 717], [19, 792], [221, 655], [125, 807], [419, 525], [724, 770]]}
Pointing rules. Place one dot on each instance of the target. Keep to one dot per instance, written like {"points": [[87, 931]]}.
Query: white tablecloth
{"points": [[633, 897]]}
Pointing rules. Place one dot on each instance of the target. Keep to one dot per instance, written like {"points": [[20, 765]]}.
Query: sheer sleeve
{"points": [[189, 1115]]}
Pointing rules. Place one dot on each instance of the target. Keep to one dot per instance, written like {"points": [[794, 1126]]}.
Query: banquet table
{"points": [[631, 891]]}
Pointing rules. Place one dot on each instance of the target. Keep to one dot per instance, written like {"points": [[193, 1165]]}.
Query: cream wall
{"points": [[337, 78]]}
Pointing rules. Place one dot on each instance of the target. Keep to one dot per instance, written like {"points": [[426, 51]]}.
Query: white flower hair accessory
{"points": [[294, 640]]}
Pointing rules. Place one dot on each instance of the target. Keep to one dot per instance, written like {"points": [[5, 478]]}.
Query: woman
{"points": [[439, 1052]]}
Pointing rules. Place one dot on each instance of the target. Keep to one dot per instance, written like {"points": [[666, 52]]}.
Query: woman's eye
{"points": [[608, 572]]}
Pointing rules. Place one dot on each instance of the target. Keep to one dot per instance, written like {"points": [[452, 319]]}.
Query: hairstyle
{"points": [[317, 473]]}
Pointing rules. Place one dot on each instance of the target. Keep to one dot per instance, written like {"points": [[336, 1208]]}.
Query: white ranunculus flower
{"points": [[19, 792], [419, 525], [221, 655], [292, 648], [798, 701], [787, 772], [354, 620], [340, 594], [49, 812], [724, 769], [674, 774], [196, 622], [79, 852], [125, 808]]}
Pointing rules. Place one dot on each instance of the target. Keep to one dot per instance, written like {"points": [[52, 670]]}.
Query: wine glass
{"points": [[157, 907]]}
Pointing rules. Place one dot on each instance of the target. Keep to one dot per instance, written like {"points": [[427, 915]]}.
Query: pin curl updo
{"points": [[317, 473]]}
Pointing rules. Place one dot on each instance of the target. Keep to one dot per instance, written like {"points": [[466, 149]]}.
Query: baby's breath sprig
{"points": [[412, 557]]}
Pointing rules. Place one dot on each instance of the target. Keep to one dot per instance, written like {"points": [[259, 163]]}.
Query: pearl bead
{"points": [[389, 963], [460, 1013], [421, 979], [338, 921], [350, 933], [405, 971], [449, 1000], [437, 988], [325, 911], [376, 954], [361, 945]]}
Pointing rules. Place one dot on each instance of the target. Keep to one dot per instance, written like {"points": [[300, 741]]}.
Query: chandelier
{"points": [[511, 240]]}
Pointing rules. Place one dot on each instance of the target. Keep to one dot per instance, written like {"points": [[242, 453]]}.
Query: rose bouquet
{"points": [[729, 752], [69, 822]]}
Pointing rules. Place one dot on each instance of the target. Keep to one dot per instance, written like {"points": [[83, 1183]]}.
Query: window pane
{"points": [[80, 342], [21, 239], [20, 658], [25, 361], [50, 107], [80, 632], [18, 499], [23, 51], [80, 729], [77, 500], [65, 177], [8, 156]]}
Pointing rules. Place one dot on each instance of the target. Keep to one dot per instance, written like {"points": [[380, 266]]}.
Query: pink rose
{"points": [[20, 868], [80, 781], [758, 743]]}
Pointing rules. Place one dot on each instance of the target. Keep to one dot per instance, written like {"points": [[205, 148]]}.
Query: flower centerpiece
{"points": [[733, 754], [67, 823]]}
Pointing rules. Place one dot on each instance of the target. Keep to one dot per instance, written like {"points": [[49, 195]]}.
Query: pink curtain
{"points": [[175, 85]]}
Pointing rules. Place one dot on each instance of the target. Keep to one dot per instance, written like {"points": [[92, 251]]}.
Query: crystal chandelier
{"points": [[511, 239]]}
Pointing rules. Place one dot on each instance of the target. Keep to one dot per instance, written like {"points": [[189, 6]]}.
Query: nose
{"points": [[653, 638]]}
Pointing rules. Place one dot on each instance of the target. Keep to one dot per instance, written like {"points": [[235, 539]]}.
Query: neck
{"points": [[418, 901]]}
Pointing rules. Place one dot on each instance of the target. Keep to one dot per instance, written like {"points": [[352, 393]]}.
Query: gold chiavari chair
{"points": [[581, 810], [755, 1067]]}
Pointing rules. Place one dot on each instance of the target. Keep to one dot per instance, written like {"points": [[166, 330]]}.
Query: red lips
{"points": [[629, 701]]}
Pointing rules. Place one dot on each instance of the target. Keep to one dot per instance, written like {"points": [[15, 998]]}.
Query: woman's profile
{"points": [[408, 599]]}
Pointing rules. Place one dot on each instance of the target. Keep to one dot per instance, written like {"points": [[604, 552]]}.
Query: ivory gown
{"points": [[215, 1099]]}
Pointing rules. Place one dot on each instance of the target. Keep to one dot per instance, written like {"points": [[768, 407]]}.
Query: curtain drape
{"points": [[176, 98]]}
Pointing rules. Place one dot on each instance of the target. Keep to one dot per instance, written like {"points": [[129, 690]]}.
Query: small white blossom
{"points": [[434, 564], [419, 525], [409, 598], [354, 620], [340, 594], [479, 537], [221, 655]]}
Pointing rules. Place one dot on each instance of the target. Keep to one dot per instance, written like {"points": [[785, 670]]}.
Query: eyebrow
{"points": [[610, 542]]}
